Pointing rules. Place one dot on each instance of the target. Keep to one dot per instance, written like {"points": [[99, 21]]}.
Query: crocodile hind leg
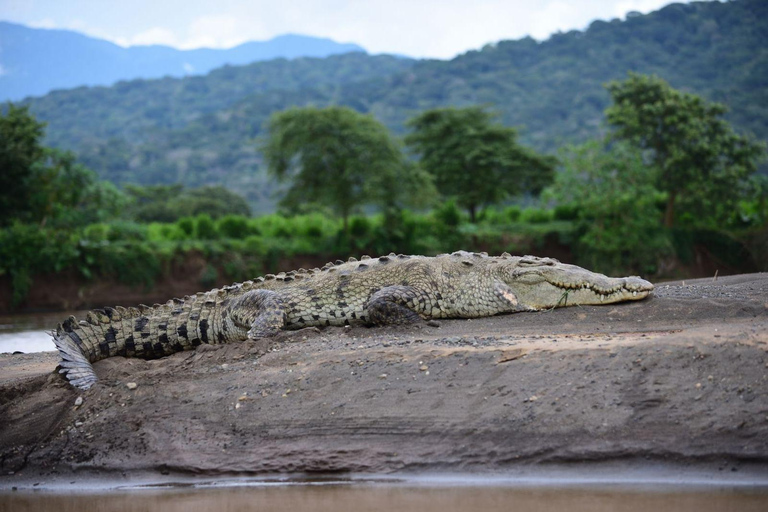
{"points": [[262, 312], [397, 305]]}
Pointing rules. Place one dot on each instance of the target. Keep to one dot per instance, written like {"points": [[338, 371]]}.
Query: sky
{"points": [[417, 28]]}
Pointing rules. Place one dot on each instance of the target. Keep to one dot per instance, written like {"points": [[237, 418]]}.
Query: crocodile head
{"points": [[541, 283]]}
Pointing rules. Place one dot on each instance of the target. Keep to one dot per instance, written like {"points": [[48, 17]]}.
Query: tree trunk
{"points": [[472, 213], [669, 214]]}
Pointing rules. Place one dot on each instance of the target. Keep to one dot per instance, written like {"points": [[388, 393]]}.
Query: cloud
{"points": [[3, 71], [155, 35]]}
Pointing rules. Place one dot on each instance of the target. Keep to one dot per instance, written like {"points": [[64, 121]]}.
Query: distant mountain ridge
{"points": [[34, 61]]}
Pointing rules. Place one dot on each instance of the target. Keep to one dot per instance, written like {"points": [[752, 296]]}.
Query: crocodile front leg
{"points": [[397, 305], [262, 312]]}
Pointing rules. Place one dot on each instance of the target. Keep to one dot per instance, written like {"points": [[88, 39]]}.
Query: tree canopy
{"points": [[695, 154], [40, 184], [475, 159], [339, 158]]}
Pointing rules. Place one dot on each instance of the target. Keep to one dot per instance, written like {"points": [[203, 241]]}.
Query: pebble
{"points": [[78, 401], [131, 385], [423, 368]]}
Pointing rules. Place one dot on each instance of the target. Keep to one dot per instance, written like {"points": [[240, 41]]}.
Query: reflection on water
{"points": [[29, 333], [393, 498]]}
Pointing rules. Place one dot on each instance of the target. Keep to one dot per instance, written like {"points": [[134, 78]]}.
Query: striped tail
{"points": [[74, 364]]}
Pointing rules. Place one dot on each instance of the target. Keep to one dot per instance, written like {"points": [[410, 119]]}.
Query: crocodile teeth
{"points": [[634, 294], [602, 298]]}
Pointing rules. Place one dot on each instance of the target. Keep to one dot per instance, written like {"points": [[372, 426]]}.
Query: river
{"points": [[451, 495], [28, 333]]}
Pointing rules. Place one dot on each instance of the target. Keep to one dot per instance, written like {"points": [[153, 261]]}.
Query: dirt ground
{"points": [[681, 377]]}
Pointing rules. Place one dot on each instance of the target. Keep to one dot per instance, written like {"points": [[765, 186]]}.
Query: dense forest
{"points": [[205, 130]]}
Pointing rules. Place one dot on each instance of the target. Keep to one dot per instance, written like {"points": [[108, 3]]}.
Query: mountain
{"points": [[36, 61], [205, 129]]}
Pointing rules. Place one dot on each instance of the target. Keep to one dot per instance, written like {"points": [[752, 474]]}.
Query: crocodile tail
{"points": [[74, 363]]}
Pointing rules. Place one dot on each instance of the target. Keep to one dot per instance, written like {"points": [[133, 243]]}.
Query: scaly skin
{"points": [[374, 291]]}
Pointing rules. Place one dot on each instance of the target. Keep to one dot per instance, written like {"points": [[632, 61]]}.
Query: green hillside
{"points": [[202, 130]]}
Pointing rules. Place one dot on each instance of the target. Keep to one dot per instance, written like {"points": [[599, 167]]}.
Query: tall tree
{"points": [[696, 154], [340, 158], [41, 184], [20, 150], [475, 159]]}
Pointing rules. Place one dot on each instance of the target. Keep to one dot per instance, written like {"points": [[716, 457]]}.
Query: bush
{"points": [[205, 229], [187, 226], [535, 216], [233, 226], [448, 214], [359, 227], [126, 230], [96, 233], [512, 213]]}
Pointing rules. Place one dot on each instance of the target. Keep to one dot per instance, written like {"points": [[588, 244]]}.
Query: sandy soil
{"points": [[681, 377]]}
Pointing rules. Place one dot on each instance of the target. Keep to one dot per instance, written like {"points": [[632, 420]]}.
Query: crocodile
{"points": [[392, 289]]}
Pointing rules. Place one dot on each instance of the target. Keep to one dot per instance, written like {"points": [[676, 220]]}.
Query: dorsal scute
{"points": [[364, 257], [352, 259], [144, 309]]}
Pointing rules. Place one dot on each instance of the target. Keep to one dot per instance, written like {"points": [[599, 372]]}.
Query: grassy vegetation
{"points": [[239, 247]]}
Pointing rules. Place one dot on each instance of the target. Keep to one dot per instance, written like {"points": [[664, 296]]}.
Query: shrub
{"points": [[205, 229], [535, 216], [233, 226]]}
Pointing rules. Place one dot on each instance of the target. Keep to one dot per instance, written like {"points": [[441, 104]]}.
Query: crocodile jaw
{"points": [[558, 285]]}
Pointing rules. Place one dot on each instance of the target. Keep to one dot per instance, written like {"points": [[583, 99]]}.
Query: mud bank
{"points": [[680, 378]]}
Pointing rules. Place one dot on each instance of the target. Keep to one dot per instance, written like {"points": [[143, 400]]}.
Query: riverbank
{"points": [[680, 378]]}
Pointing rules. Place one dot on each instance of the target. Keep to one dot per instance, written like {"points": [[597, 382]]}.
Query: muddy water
{"points": [[29, 333], [395, 498]]}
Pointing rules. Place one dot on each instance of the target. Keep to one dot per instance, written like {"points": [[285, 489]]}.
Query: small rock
{"points": [[698, 385], [383, 376], [78, 401], [533, 398], [131, 385], [423, 368], [433, 323], [78, 423], [237, 405]]}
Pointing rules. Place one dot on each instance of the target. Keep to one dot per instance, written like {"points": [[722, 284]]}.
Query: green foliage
{"points": [[698, 159], [44, 185], [475, 160], [340, 158], [20, 151], [612, 195], [233, 226], [205, 228], [536, 216], [167, 203], [200, 130]]}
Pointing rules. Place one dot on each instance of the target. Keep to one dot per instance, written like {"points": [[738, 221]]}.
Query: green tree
{"points": [[340, 158], [474, 159], [616, 207], [20, 150], [694, 153], [168, 203], [40, 184]]}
